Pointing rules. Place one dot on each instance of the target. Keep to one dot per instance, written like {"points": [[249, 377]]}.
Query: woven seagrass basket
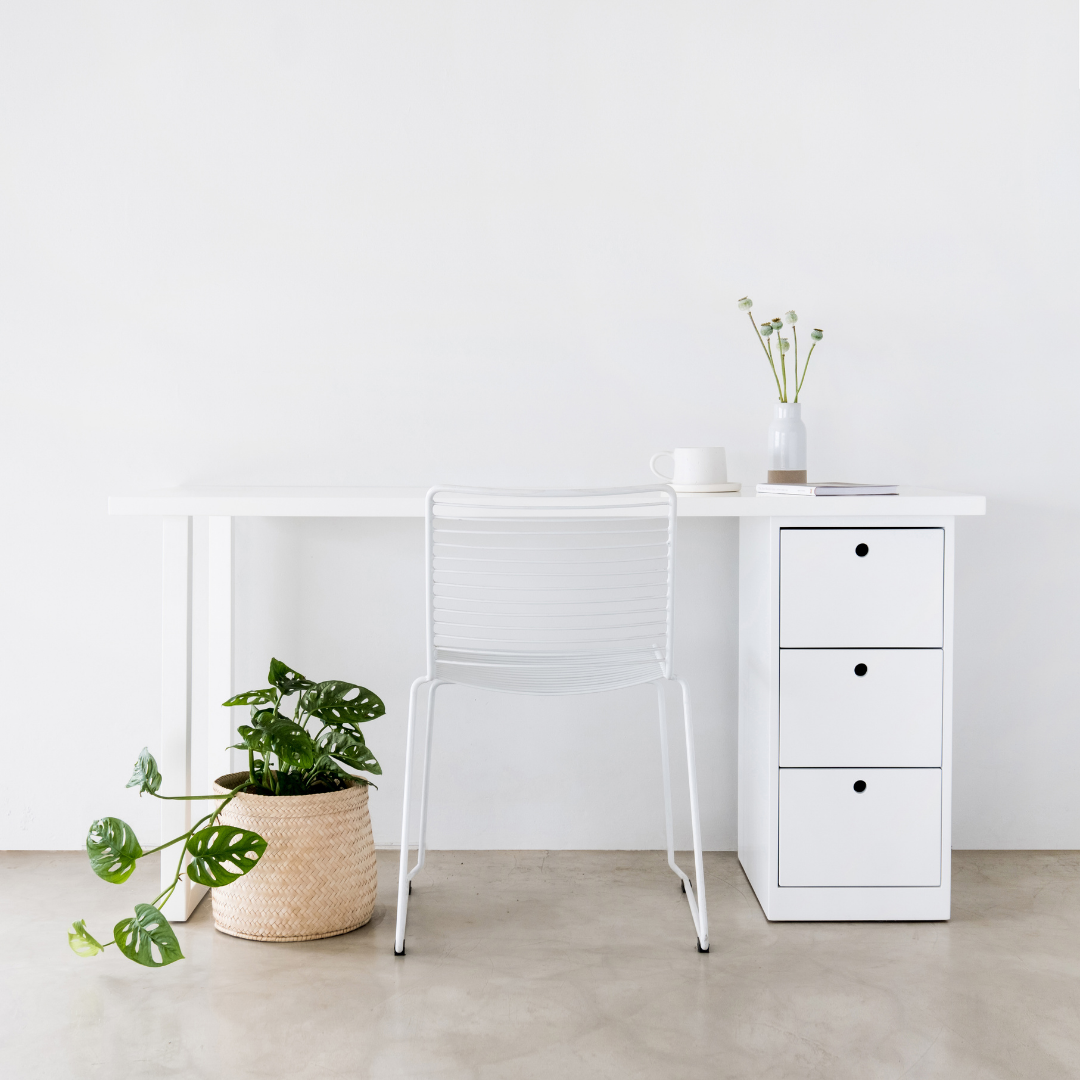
{"points": [[317, 878]]}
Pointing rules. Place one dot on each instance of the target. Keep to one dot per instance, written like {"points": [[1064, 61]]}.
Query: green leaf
{"points": [[256, 734], [349, 749], [253, 737], [113, 849], [146, 776], [292, 744], [138, 937], [222, 853], [286, 679], [324, 763], [342, 703], [82, 942], [266, 696]]}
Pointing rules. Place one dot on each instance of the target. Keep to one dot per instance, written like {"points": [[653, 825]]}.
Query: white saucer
{"points": [[706, 489]]}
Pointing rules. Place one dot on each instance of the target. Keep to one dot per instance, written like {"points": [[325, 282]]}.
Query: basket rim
{"points": [[325, 802]]}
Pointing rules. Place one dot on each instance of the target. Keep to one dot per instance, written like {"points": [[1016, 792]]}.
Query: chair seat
{"points": [[554, 672]]}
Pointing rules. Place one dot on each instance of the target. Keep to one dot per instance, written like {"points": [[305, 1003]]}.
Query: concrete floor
{"points": [[559, 964]]}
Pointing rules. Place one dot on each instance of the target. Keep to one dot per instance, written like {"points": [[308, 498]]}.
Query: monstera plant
{"points": [[307, 763], [285, 757]]}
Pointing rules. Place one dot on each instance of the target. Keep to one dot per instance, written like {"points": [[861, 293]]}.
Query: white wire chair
{"points": [[550, 592]]}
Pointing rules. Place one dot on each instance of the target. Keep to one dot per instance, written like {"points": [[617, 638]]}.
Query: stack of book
{"points": [[830, 488]]}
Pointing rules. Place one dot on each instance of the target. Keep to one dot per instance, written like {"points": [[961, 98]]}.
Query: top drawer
{"points": [[868, 588]]}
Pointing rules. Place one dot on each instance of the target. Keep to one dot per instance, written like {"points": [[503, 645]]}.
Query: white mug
{"points": [[694, 465]]}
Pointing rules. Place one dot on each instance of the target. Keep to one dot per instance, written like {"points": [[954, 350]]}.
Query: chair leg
{"points": [[701, 918], [424, 783], [403, 865], [696, 902], [665, 764]]}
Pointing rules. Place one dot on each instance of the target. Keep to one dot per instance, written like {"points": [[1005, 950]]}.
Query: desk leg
{"points": [[176, 706], [219, 646]]}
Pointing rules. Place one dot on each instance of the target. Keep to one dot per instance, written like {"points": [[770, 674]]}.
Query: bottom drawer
{"points": [[860, 827]]}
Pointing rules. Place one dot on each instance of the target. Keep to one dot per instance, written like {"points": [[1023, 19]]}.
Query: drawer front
{"points": [[860, 707], [888, 834], [844, 588]]}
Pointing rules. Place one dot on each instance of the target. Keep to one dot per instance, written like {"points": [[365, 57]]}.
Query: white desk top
{"points": [[410, 502]]}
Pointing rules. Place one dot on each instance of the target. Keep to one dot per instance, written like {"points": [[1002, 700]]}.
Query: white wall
{"points": [[399, 243]]}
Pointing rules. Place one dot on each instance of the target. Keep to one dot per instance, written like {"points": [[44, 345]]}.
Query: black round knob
{"points": [[860, 670], [860, 786], [862, 550]]}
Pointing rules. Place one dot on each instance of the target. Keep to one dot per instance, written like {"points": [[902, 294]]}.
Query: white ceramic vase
{"points": [[787, 445]]}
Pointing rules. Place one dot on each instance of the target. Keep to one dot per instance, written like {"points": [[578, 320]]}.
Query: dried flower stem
{"points": [[805, 366], [795, 335], [768, 355]]}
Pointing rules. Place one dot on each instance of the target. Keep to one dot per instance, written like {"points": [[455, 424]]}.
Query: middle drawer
{"points": [[860, 708]]}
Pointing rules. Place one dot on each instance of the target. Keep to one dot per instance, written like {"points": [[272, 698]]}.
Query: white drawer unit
{"points": [[860, 827], [878, 588], [845, 717], [868, 708]]}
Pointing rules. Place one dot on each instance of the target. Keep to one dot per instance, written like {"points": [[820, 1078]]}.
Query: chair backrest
{"points": [[550, 592]]}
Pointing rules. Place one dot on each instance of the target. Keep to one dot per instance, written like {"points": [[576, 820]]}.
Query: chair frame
{"points": [[695, 897]]}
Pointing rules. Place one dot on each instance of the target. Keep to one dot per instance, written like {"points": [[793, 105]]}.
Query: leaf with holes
{"points": [[266, 696], [324, 763], [113, 849], [342, 703], [148, 939], [146, 776], [222, 853], [286, 679], [350, 750], [255, 736], [292, 744], [82, 941]]}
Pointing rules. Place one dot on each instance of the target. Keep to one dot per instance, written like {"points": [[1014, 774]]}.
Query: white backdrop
{"points": [[400, 243]]}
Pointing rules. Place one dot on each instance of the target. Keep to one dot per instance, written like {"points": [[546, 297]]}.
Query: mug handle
{"points": [[652, 464]]}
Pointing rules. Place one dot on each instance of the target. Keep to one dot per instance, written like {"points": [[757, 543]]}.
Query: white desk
{"points": [[764, 517]]}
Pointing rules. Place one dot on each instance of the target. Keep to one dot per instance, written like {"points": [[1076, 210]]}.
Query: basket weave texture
{"points": [[317, 878]]}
